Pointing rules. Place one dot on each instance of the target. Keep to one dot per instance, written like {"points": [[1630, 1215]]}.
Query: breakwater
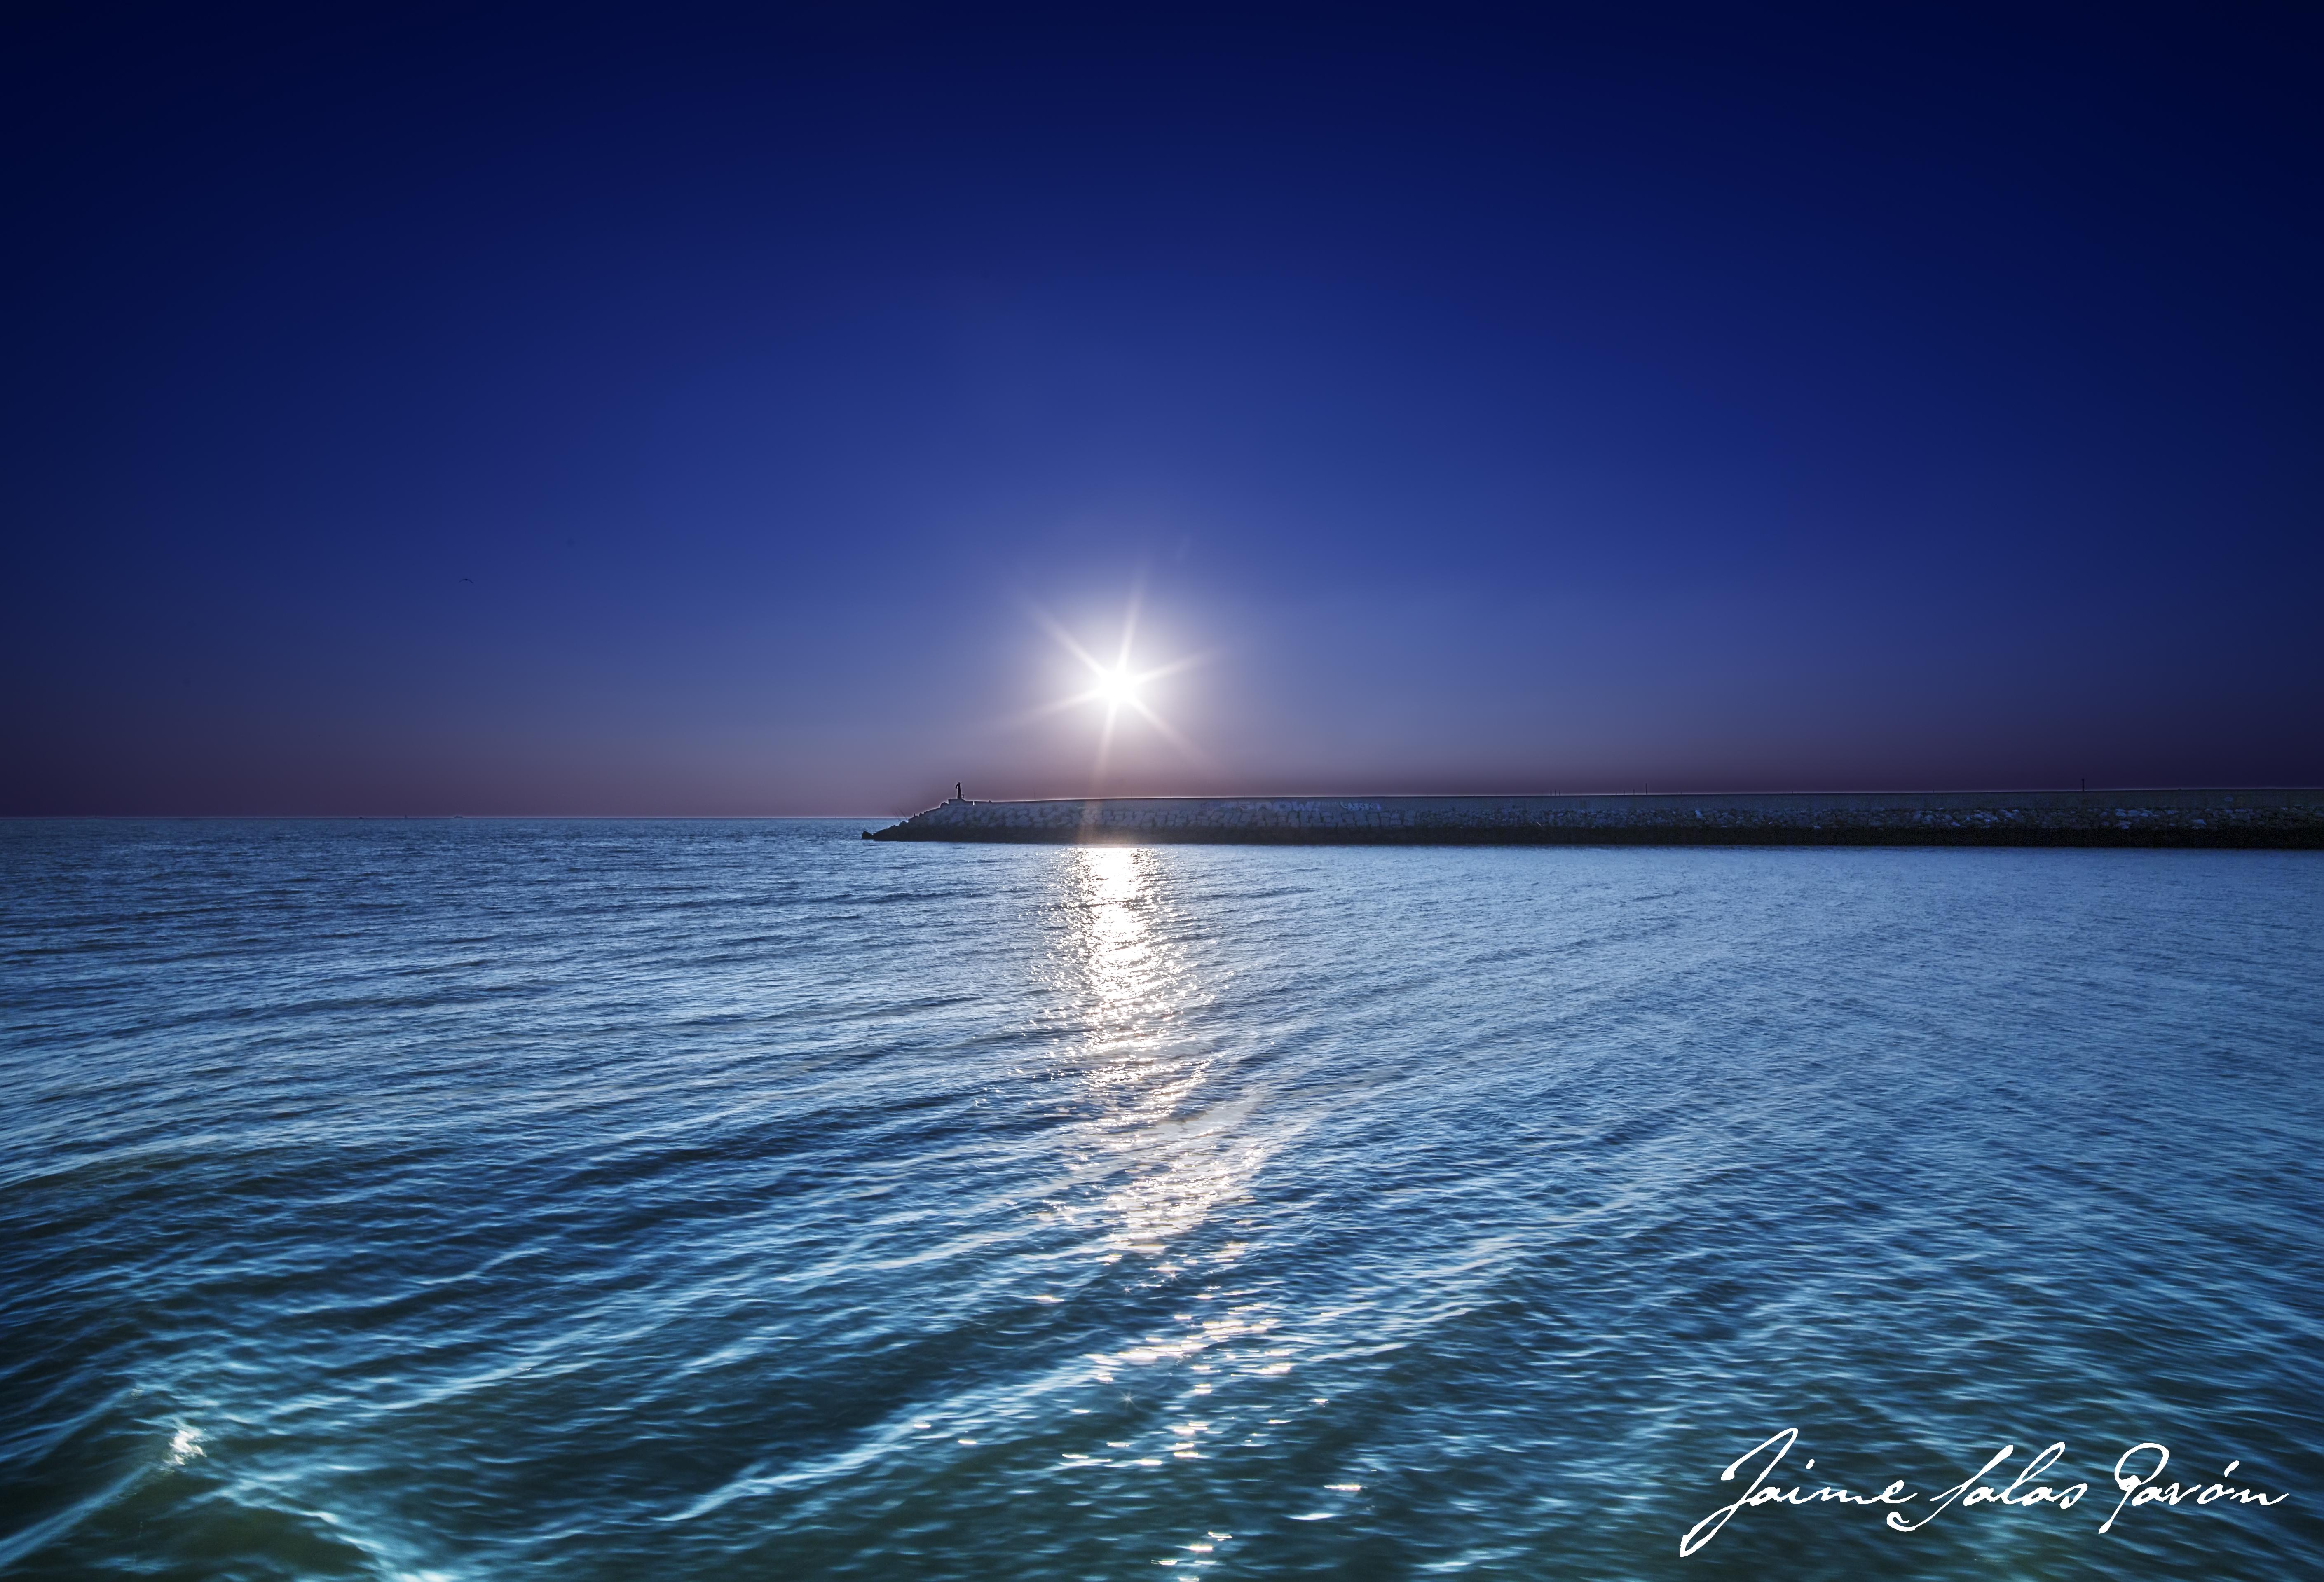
{"points": [[2246, 817]]}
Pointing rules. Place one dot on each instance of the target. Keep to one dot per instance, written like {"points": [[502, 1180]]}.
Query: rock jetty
{"points": [[2252, 818]]}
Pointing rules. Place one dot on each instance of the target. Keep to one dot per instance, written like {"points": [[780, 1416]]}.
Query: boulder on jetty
{"points": [[2250, 817]]}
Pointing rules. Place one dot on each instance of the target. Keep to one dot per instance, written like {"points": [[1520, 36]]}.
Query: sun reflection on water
{"points": [[1168, 1151]]}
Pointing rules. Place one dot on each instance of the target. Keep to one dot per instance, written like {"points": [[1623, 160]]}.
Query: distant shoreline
{"points": [[2252, 817]]}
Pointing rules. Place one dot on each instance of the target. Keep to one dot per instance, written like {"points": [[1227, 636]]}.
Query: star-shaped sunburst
{"points": [[1117, 685]]}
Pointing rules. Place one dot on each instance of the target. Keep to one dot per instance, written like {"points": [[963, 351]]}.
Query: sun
{"points": [[1117, 686]]}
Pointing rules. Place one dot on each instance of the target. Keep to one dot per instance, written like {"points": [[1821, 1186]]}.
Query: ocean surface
{"points": [[594, 1199]]}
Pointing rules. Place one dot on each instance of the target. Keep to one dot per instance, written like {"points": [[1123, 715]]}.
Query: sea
{"points": [[507, 1200]]}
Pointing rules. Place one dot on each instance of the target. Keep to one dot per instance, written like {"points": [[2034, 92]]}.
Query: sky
{"points": [[495, 410]]}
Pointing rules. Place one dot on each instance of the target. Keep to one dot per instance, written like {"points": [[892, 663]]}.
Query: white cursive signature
{"points": [[2023, 1492]]}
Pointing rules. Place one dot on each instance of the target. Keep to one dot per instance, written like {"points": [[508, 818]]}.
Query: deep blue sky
{"points": [[497, 411]]}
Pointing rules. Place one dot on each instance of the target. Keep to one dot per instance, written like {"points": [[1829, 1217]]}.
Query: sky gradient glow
{"points": [[507, 413]]}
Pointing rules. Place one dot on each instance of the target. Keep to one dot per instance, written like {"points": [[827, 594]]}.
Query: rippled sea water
{"points": [[482, 1199]]}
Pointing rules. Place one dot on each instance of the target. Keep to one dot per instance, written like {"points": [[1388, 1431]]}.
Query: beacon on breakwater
{"points": [[2281, 818]]}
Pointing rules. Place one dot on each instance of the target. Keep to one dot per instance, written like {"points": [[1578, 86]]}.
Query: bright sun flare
{"points": [[1117, 687]]}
